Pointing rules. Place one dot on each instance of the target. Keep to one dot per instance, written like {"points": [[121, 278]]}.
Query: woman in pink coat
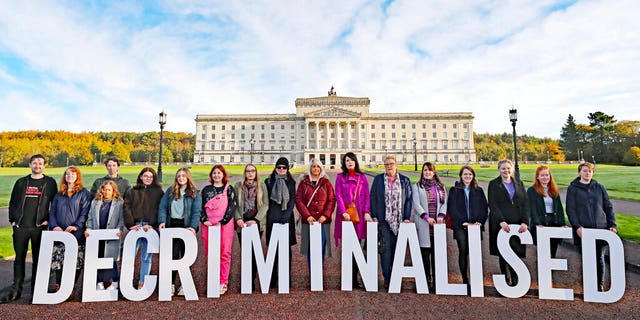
{"points": [[352, 187]]}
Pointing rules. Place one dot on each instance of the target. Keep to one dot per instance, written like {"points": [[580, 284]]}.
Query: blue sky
{"points": [[114, 65]]}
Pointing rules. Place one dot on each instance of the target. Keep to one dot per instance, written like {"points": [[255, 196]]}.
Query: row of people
{"points": [[390, 201]]}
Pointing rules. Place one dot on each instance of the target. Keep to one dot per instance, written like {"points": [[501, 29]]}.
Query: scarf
{"points": [[249, 191], [280, 191], [433, 190], [393, 203]]}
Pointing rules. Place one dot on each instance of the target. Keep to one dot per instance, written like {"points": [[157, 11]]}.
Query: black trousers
{"points": [[462, 238], [254, 265], [178, 249], [21, 238]]}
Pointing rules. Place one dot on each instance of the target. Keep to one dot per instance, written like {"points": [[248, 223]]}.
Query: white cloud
{"points": [[258, 56]]}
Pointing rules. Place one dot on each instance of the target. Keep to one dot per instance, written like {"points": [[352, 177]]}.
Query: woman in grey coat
{"points": [[429, 208], [106, 213]]}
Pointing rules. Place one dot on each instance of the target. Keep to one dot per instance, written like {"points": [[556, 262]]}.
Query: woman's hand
{"points": [[346, 217], [135, 228], [523, 228], [240, 223], [367, 217], [86, 233], [505, 226], [311, 220], [431, 221], [440, 221], [192, 230], [71, 229], [161, 226], [322, 219], [207, 223], [147, 227], [57, 229]]}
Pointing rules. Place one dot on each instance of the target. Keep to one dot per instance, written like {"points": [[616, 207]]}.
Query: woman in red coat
{"points": [[315, 201]]}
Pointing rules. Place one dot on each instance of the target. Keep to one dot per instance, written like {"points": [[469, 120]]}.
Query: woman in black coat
{"points": [[467, 205], [509, 205], [282, 196], [545, 205]]}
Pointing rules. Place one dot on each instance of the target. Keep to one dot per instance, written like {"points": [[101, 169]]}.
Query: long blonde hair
{"points": [[114, 186], [189, 191]]}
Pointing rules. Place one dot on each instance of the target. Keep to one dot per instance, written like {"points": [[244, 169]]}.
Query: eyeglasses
{"points": [[281, 167], [389, 164], [250, 170], [146, 176]]}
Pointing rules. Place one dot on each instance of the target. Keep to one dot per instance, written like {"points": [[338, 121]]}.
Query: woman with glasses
{"points": [[391, 198], [282, 195], [141, 206], [253, 202]]}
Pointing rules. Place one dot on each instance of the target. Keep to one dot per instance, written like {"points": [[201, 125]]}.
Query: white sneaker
{"points": [[113, 286], [173, 289], [223, 289], [181, 292], [100, 286]]}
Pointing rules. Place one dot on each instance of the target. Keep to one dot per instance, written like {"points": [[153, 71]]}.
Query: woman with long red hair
{"points": [[68, 213], [219, 205], [545, 206]]}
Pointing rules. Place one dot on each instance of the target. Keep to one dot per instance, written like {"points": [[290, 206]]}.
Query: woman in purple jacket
{"points": [[352, 187]]}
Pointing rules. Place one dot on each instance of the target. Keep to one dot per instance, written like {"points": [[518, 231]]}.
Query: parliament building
{"points": [[328, 127]]}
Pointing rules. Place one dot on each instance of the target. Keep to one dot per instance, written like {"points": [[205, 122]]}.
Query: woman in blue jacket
{"points": [[588, 206], [68, 213], [180, 207], [391, 198]]}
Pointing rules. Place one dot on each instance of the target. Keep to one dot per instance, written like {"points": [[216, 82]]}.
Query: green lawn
{"points": [[620, 181], [6, 242]]}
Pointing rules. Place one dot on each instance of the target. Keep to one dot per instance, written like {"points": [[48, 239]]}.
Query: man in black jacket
{"points": [[29, 215]]}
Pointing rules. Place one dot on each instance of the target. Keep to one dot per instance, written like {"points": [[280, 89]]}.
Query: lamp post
{"points": [[581, 155], [252, 142], [415, 155], [162, 121], [513, 116], [594, 160], [548, 158]]}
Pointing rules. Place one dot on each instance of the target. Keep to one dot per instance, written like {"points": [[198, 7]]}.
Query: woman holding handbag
{"points": [[352, 194], [315, 201]]}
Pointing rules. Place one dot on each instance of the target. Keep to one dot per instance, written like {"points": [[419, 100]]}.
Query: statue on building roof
{"points": [[332, 92]]}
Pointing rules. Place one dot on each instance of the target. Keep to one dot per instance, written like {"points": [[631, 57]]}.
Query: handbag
{"points": [[298, 224], [351, 207]]}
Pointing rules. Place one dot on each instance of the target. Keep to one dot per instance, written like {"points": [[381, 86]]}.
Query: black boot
{"points": [[14, 294]]}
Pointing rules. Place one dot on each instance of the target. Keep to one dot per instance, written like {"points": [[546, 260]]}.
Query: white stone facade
{"points": [[327, 128]]}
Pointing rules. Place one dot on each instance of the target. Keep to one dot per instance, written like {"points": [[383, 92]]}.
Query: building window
{"points": [[455, 134], [373, 126], [424, 135], [204, 136], [203, 147], [373, 146], [222, 146], [393, 126], [373, 158], [204, 127], [282, 127], [403, 126], [262, 127], [223, 127], [424, 126], [242, 136], [221, 158], [242, 127], [262, 136], [212, 146], [393, 135], [362, 126], [455, 126], [253, 127], [433, 126], [383, 135], [383, 126], [373, 135], [404, 135], [413, 126], [444, 126], [444, 135], [273, 135], [273, 127], [233, 136], [231, 159], [465, 125], [213, 136], [445, 145], [222, 136], [466, 135], [293, 147], [434, 135]]}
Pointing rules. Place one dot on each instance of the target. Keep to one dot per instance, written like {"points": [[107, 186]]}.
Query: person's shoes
{"points": [[113, 286], [601, 287], [56, 288], [181, 292], [223, 289], [386, 285], [356, 285], [140, 285], [72, 297], [13, 295], [173, 290], [100, 286]]}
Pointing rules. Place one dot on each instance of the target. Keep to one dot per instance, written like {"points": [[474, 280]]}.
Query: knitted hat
{"points": [[282, 162]]}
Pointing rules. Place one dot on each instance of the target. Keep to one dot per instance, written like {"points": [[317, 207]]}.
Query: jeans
{"points": [[386, 257], [145, 255]]}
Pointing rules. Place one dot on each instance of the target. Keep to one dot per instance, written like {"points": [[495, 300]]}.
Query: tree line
{"points": [[604, 139], [64, 148]]}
